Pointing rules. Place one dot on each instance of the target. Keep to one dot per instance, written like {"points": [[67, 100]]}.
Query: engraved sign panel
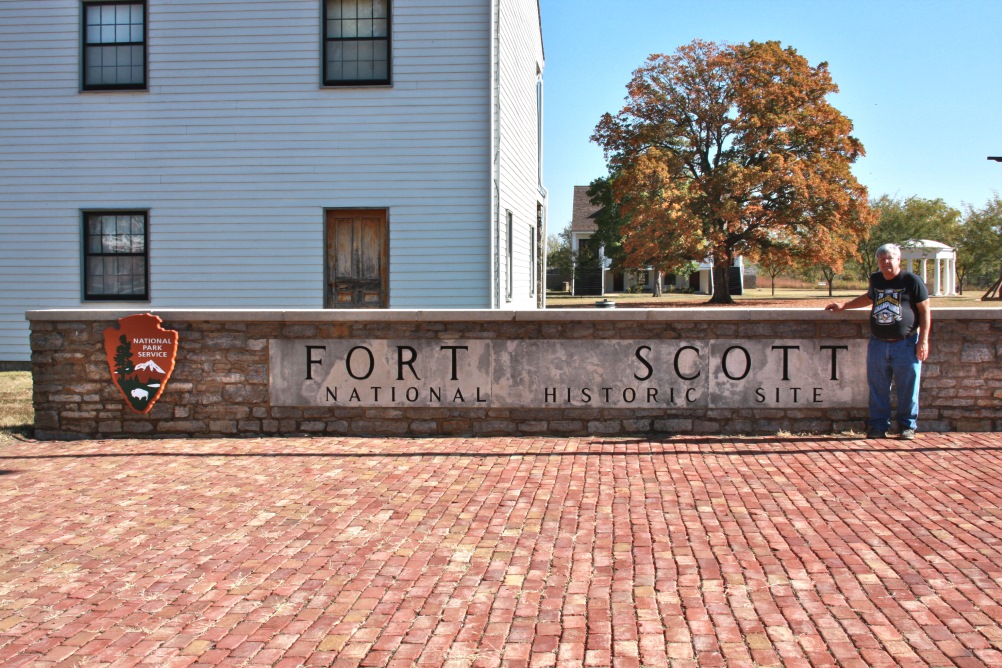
{"points": [[567, 374], [612, 374], [787, 373], [343, 372]]}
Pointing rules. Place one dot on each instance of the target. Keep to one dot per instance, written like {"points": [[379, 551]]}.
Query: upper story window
{"points": [[114, 45], [116, 255], [356, 42]]}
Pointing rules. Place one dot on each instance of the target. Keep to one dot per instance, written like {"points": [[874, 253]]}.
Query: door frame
{"points": [[385, 251]]}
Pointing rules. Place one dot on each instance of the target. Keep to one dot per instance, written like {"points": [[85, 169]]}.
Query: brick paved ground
{"points": [[484, 552]]}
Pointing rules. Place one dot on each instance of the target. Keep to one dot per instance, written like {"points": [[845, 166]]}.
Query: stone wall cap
{"points": [[700, 314]]}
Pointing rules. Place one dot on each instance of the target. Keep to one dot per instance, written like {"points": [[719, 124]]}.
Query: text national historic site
{"points": [[552, 373]]}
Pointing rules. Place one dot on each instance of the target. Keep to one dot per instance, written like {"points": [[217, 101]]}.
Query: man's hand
{"points": [[925, 324], [855, 302]]}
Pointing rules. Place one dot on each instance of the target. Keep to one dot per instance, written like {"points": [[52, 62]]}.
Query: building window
{"points": [[532, 262], [356, 42], [116, 255], [509, 251], [114, 45]]}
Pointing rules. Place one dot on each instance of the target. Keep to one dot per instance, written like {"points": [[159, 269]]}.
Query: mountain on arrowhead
{"points": [[149, 366]]}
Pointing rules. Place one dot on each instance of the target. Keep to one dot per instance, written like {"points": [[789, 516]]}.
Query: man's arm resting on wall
{"points": [[925, 324], [855, 302]]}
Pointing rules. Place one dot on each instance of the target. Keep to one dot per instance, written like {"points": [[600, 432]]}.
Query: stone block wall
{"points": [[220, 384]]}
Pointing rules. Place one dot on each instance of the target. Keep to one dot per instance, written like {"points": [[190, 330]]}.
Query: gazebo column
{"points": [[944, 264]]}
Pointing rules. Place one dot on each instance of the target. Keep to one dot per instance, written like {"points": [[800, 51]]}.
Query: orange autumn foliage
{"points": [[723, 150]]}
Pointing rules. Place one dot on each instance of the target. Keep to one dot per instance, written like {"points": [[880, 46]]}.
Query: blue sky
{"points": [[921, 81]]}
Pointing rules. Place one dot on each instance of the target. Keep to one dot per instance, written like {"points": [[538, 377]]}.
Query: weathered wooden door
{"points": [[357, 253]]}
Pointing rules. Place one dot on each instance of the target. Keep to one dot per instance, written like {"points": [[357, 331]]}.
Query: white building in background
{"points": [[935, 262], [606, 278], [288, 154]]}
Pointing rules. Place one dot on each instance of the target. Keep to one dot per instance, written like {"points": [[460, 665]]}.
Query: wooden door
{"points": [[357, 252]]}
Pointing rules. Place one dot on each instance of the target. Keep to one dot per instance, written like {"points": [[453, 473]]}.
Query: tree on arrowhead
{"points": [[123, 358], [721, 150]]}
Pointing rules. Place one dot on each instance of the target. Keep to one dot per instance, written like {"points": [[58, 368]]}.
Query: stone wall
{"points": [[220, 384]]}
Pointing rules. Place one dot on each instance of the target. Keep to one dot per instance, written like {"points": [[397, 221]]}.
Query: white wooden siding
{"points": [[236, 150], [520, 53]]}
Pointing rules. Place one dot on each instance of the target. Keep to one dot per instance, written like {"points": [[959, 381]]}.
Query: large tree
{"points": [[723, 149]]}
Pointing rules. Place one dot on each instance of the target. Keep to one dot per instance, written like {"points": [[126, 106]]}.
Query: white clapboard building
{"points": [[275, 154]]}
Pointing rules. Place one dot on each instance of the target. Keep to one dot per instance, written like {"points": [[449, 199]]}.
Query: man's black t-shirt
{"points": [[894, 315]]}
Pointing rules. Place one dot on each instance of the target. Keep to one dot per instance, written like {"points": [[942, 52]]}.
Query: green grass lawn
{"points": [[788, 296], [17, 415]]}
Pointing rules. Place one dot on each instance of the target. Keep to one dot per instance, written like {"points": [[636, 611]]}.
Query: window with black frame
{"points": [[116, 255], [114, 45], [356, 42]]}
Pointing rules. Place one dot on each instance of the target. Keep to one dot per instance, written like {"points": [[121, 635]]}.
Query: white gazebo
{"points": [[916, 254]]}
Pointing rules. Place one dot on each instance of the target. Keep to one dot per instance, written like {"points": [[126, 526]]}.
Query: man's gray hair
{"points": [[888, 249]]}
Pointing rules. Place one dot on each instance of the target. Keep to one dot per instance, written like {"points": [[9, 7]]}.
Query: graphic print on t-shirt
{"points": [[887, 307]]}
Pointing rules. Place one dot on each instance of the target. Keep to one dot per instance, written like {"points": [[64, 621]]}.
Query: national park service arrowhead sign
{"points": [[141, 357]]}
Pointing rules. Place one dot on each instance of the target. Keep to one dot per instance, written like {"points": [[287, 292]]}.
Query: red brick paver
{"points": [[685, 551]]}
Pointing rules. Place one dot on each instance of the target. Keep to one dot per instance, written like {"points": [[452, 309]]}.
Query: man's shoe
{"points": [[873, 433], [908, 435]]}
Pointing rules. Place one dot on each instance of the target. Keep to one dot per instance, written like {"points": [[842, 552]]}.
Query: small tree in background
{"points": [[560, 254], [776, 259], [978, 242], [900, 220], [608, 219]]}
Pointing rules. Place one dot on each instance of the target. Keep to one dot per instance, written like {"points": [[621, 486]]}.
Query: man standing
{"points": [[899, 341]]}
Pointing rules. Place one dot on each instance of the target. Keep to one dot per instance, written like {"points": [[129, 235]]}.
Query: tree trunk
{"points": [[657, 283], [721, 286], [829, 279]]}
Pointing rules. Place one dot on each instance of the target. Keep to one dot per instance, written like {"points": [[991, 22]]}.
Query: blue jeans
{"points": [[893, 361]]}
